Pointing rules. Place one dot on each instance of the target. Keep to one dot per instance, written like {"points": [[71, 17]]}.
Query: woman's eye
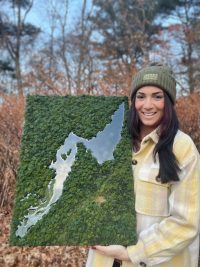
{"points": [[159, 96], [139, 96]]}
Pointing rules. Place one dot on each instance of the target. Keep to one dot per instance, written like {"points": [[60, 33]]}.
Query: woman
{"points": [[166, 166]]}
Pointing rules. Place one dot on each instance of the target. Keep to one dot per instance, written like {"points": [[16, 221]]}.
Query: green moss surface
{"points": [[97, 203]]}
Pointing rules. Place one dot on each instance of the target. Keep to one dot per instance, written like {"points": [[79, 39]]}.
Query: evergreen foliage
{"points": [[125, 27]]}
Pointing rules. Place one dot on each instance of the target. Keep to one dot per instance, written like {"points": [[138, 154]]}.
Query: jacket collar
{"points": [[154, 136]]}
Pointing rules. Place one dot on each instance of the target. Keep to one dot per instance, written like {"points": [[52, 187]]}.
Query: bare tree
{"points": [[187, 39], [72, 49], [62, 48]]}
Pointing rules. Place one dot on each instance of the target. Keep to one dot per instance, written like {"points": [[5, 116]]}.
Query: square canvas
{"points": [[74, 181]]}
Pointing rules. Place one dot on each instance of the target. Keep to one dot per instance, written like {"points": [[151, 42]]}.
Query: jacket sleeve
{"points": [[162, 241]]}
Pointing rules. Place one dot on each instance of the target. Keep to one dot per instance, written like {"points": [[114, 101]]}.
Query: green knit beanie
{"points": [[160, 76]]}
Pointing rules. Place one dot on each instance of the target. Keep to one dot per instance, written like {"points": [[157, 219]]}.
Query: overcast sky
{"points": [[39, 12]]}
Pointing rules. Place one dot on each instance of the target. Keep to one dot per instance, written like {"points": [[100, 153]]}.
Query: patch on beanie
{"points": [[150, 76]]}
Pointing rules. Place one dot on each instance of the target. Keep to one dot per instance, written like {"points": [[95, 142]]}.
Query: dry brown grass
{"points": [[11, 120]]}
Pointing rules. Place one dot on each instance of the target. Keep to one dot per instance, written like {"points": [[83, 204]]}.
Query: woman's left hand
{"points": [[115, 251]]}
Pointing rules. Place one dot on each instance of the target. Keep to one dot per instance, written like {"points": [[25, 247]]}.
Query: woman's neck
{"points": [[144, 131]]}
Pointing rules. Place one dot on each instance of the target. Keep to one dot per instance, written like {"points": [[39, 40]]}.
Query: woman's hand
{"points": [[115, 251]]}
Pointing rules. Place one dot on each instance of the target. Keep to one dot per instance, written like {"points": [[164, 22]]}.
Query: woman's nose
{"points": [[148, 103]]}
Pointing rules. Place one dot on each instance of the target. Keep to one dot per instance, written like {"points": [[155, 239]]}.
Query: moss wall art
{"points": [[74, 181]]}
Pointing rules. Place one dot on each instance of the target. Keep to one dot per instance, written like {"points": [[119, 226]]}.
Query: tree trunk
{"points": [[82, 48], [17, 54]]}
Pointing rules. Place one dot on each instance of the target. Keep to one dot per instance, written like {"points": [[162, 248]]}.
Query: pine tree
{"points": [[13, 32]]}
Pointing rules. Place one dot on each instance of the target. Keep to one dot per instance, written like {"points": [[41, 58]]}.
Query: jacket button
{"points": [[134, 161], [143, 264]]}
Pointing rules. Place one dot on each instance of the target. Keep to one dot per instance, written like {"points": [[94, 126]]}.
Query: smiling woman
{"points": [[166, 167], [149, 104]]}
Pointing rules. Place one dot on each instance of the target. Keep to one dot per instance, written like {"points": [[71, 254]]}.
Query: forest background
{"points": [[96, 50]]}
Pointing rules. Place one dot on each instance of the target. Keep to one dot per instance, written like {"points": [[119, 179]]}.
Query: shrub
{"points": [[11, 119], [188, 111]]}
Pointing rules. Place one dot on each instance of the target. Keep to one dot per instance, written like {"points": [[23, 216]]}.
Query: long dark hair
{"points": [[168, 128]]}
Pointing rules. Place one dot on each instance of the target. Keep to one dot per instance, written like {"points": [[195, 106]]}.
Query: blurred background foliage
{"points": [[98, 49]]}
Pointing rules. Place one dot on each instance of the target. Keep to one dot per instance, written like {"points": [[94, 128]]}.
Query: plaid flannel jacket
{"points": [[167, 214]]}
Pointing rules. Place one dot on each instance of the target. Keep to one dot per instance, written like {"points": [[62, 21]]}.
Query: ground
{"points": [[54, 256]]}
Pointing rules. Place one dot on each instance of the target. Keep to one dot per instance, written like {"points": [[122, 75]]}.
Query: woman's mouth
{"points": [[148, 114]]}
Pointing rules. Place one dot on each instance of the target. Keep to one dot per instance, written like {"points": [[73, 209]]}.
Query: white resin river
{"points": [[101, 146]]}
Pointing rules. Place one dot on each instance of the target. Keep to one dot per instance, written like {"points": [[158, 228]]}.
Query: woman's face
{"points": [[149, 104]]}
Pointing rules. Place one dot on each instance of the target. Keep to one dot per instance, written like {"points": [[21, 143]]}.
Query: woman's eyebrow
{"points": [[157, 93], [140, 93], [154, 93]]}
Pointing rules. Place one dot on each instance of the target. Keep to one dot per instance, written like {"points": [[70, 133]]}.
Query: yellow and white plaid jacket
{"points": [[167, 214]]}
